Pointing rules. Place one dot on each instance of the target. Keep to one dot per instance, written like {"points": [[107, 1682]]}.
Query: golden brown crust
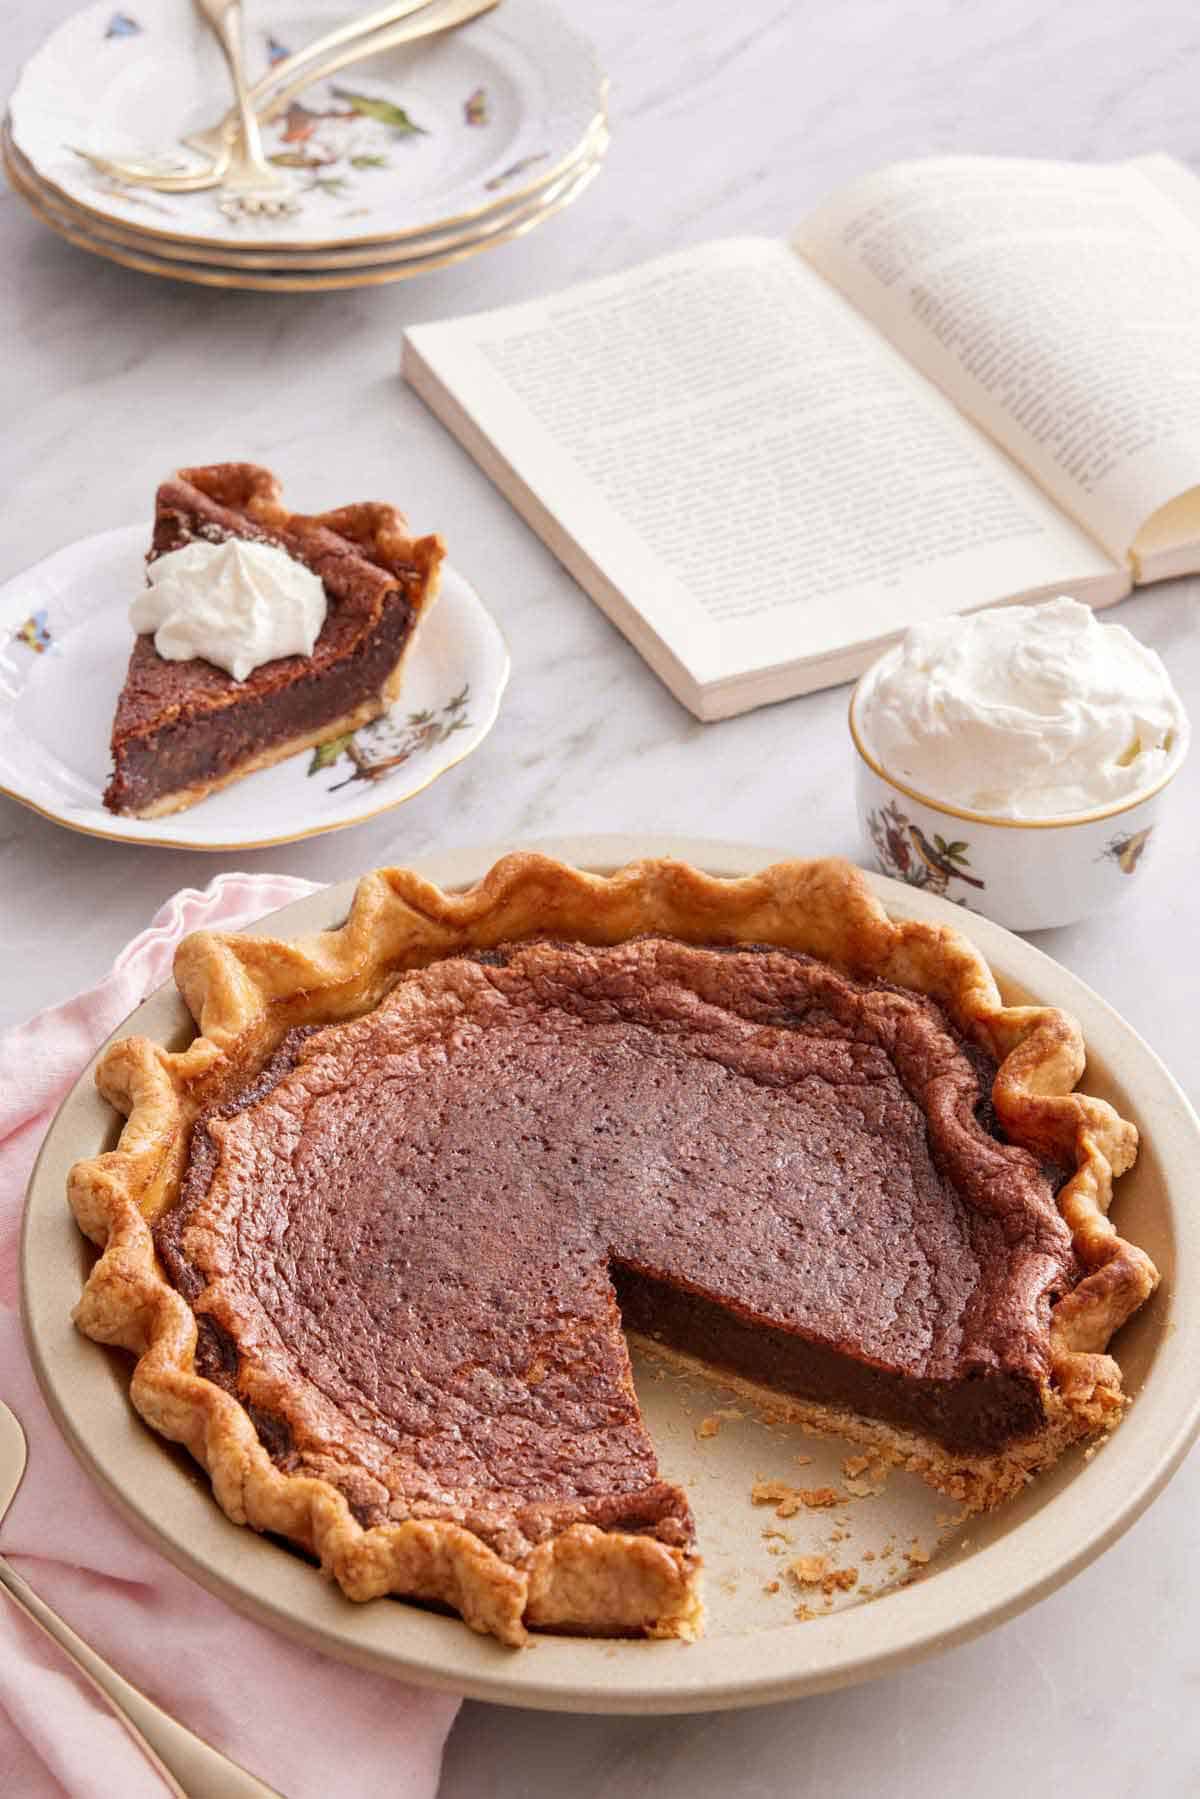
{"points": [[245, 992]]}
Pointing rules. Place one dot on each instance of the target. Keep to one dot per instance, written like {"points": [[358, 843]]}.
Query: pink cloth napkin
{"points": [[303, 1723]]}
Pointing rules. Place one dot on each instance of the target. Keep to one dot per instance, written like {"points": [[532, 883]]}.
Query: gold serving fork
{"points": [[214, 138], [283, 82], [249, 185], [187, 1764]]}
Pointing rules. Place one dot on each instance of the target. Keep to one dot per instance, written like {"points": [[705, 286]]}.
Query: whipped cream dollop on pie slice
{"points": [[237, 604]]}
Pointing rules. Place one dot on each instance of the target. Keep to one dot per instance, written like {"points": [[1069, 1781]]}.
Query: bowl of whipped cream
{"points": [[1016, 760]]}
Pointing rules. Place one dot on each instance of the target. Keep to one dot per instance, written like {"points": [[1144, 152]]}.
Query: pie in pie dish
{"points": [[376, 1234], [185, 729]]}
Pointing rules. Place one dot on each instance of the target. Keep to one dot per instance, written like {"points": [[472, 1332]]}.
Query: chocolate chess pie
{"points": [[185, 729], [377, 1234]]}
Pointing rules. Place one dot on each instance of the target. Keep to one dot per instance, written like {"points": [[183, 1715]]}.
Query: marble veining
{"points": [[726, 120]]}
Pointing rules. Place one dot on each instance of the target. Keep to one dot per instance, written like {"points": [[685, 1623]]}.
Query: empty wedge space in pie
{"points": [[377, 1234]]}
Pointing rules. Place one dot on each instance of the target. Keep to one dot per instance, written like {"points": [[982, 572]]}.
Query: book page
{"points": [[1055, 303], [729, 450]]}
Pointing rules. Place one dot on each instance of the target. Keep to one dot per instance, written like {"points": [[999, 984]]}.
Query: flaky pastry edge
{"points": [[246, 992]]}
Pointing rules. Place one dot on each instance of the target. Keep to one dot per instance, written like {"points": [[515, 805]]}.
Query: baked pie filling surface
{"points": [[410, 1241]]}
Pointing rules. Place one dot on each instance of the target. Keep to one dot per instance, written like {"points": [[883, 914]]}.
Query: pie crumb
{"points": [[708, 1427], [809, 1570], [856, 1464], [804, 1613], [819, 1497], [916, 1557], [772, 1586], [814, 1571], [788, 1500]]}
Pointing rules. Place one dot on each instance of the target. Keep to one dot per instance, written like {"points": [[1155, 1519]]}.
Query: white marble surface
{"points": [[726, 119]]}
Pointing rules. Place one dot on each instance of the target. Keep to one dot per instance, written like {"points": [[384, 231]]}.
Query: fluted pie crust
{"points": [[247, 993]]}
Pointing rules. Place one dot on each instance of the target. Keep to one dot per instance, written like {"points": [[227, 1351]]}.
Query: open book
{"points": [[962, 381]]}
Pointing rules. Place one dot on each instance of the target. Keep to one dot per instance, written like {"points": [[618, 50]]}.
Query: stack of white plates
{"points": [[414, 159]]}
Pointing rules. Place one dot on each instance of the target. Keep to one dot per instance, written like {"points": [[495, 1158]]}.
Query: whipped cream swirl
{"points": [[237, 604], [1023, 712]]}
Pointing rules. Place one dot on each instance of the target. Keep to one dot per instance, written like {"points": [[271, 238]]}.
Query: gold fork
{"points": [[213, 139], [441, 16], [250, 185], [186, 1763]]}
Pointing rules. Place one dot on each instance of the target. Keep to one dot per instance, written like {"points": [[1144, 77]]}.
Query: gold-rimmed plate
{"points": [[302, 277], [430, 136], [755, 1651], [64, 646], [424, 252]]}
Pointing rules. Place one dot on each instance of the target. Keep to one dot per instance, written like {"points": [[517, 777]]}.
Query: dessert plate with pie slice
{"points": [[64, 649], [703, 1073]]}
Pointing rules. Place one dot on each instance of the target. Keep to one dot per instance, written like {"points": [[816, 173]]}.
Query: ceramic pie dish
{"points": [[579, 1678]]}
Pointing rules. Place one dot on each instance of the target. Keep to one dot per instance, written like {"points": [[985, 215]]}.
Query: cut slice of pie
{"points": [[377, 1235], [183, 730]]}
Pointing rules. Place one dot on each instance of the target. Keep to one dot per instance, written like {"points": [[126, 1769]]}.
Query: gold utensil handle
{"points": [[192, 1769], [290, 66], [225, 19], [444, 15]]}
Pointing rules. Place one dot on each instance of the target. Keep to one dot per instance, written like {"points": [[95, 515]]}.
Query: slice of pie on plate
{"points": [[185, 729], [376, 1235]]}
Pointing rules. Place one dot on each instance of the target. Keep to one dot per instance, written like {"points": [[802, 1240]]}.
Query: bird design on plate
{"points": [[376, 750], [329, 142]]}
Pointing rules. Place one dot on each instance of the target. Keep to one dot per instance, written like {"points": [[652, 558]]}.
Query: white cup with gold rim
{"points": [[1028, 874]]}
